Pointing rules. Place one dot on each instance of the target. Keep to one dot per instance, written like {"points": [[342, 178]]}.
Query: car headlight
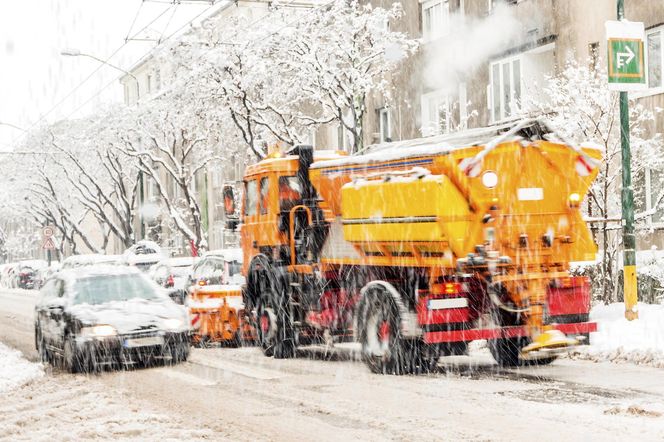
{"points": [[99, 331], [173, 324]]}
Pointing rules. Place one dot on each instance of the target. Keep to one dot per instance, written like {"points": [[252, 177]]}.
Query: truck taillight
{"points": [[446, 288]]}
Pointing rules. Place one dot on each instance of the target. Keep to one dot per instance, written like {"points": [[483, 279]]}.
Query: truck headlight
{"points": [[99, 331], [173, 324]]}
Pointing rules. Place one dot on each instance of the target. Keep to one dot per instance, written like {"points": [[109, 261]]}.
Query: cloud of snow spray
{"points": [[470, 43]]}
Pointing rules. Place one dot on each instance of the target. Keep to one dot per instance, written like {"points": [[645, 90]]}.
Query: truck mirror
{"points": [[229, 200], [231, 224]]}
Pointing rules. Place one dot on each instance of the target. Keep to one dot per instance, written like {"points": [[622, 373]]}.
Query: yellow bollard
{"points": [[630, 290]]}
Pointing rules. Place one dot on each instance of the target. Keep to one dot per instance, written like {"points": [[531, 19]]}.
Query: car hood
{"points": [[131, 315]]}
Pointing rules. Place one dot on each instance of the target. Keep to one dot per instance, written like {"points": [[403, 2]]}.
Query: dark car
{"points": [[26, 273], [108, 315]]}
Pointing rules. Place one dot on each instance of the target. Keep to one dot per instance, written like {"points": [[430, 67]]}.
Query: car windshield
{"points": [[102, 289]]}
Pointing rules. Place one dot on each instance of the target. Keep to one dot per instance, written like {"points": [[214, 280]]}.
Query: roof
{"points": [[98, 270], [531, 129], [226, 254]]}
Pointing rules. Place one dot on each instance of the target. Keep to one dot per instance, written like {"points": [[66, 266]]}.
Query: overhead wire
{"points": [[140, 6], [107, 85]]}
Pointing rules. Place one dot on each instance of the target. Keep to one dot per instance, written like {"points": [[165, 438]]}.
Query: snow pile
{"points": [[619, 340], [16, 371]]}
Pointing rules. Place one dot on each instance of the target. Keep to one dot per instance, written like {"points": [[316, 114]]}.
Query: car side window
{"points": [[48, 290]]}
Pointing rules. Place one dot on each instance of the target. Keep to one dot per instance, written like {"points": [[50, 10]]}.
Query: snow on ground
{"points": [[68, 408], [619, 340], [16, 371]]}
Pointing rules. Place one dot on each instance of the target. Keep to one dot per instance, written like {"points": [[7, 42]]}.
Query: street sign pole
{"points": [[629, 239]]}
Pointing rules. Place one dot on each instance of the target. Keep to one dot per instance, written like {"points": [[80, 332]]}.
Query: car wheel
{"points": [[71, 356], [180, 352], [42, 350]]}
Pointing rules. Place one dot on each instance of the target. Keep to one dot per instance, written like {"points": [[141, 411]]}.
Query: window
{"points": [[435, 19], [342, 137], [250, 198], [148, 83], [655, 57], [384, 125], [505, 88], [593, 54], [290, 192], [264, 200], [157, 79], [491, 4], [655, 195], [435, 113]]}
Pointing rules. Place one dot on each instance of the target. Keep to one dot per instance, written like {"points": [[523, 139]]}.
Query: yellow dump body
{"points": [[430, 205]]}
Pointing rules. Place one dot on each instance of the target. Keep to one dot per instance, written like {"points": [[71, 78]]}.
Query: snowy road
{"points": [[237, 394]]}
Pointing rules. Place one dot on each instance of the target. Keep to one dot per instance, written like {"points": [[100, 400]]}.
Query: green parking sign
{"points": [[627, 71], [626, 63]]}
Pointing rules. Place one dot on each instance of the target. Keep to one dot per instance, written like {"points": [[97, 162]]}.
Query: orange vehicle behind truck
{"points": [[215, 303], [414, 249]]}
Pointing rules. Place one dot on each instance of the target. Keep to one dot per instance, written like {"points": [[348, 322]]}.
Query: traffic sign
{"points": [[625, 44], [48, 244], [48, 231]]}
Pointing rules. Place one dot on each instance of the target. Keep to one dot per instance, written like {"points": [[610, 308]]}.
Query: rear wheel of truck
{"points": [[384, 348], [507, 351]]}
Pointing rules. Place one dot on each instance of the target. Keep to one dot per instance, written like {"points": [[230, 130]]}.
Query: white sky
{"points": [[33, 74]]}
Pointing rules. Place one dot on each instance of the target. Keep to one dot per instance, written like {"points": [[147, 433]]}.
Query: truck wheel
{"points": [[506, 351], [275, 330], [266, 328], [384, 349]]}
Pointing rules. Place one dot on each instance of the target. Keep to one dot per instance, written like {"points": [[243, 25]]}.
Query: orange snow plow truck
{"points": [[414, 249]]}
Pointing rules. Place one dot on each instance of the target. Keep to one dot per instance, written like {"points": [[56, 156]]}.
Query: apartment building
{"points": [[480, 59]]}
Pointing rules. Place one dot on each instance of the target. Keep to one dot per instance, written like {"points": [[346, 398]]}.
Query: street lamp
{"points": [[76, 53]]}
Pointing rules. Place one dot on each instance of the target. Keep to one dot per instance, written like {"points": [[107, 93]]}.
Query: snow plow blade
{"points": [[549, 342]]}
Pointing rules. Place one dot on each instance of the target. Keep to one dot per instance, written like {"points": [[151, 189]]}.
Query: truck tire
{"points": [[275, 330], [384, 349]]}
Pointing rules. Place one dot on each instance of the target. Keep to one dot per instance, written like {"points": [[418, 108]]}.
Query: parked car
{"points": [[7, 278], [143, 255], [44, 273], [90, 259], [108, 315], [173, 274], [25, 273]]}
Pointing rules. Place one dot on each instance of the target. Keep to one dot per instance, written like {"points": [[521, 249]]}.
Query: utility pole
{"points": [[629, 239]]}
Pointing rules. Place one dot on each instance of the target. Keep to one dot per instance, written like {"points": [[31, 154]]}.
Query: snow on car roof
{"points": [[227, 254], [98, 270], [90, 259], [182, 261], [33, 263], [148, 258]]}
